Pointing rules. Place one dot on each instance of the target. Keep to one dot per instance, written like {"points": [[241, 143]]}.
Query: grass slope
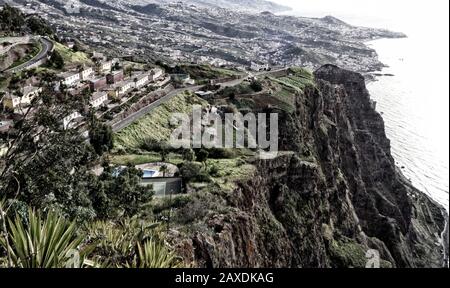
{"points": [[72, 58], [156, 125]]}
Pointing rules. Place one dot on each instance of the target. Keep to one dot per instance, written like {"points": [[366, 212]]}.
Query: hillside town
{"points": [[117, 90], [106, 83], [197, 34]]}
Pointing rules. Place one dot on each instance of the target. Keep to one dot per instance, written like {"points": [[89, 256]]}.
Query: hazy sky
{"points": [[423, 76], [399, 13], [426, 22]]}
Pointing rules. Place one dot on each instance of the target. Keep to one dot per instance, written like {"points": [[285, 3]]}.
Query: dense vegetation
{"points": [[11, 20], [50, 170], [14, 22]]}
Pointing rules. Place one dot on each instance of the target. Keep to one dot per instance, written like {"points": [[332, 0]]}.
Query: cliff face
{"points": [[333, 196]]}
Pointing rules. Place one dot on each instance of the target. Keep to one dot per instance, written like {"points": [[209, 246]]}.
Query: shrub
{"points": [[214, 171], [201, 155], [193, 172], [221, 153], [256, 86], [188, 155]]}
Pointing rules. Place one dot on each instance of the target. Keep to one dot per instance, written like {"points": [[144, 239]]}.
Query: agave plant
{"points": [[154, 255], [49, 242], [113, 243], [119, 245]]}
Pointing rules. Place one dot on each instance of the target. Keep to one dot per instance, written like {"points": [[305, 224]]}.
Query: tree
{"points": [[49, 167], [117, 66], [191, 171], [256, 86], [130, 243], [119, 191], [11, 19], [56, 60], [76, 48], [101, 138], [128, 71], [38, 26], [164, 150], [164, 170]]}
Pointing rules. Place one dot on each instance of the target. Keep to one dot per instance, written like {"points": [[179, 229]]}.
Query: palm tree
{"points": [[164, 169]]}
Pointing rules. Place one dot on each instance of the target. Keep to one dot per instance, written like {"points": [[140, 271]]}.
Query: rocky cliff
{"points": [[331, 197]]}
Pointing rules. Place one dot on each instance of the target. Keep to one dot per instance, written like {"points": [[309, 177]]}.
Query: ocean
{"points": [[415, 101], [416, 116]]}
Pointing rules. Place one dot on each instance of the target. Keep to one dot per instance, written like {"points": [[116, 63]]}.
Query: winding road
{"points": [[147, 109], [46, 48]]}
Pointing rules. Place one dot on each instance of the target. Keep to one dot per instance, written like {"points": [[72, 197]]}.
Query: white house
{"points": [[69, 121], [69, 78], [258, 67], [105, 66], [189, 80], [141, 80], [28, 94], [204, 93], [98, 98], [123, 87], [87, 73], [157, 73], [98, 55], [70, 44]]}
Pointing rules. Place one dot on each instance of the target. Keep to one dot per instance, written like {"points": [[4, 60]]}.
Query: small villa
{"points": [[69, 78], [182, 78], [259, 67], [141, 80], [121, 88], [104, 67], [156, 74], [87, 73], [98, 99], [28, 94]]}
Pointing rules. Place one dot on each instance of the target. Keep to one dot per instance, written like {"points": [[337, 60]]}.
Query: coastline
{"points": [[416, 161], [410, 163]]}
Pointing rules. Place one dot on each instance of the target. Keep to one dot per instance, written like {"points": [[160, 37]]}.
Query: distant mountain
{"points": [[241, 5]]}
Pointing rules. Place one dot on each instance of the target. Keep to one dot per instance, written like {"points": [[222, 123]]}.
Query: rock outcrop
{"points": [[332, 200]]}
